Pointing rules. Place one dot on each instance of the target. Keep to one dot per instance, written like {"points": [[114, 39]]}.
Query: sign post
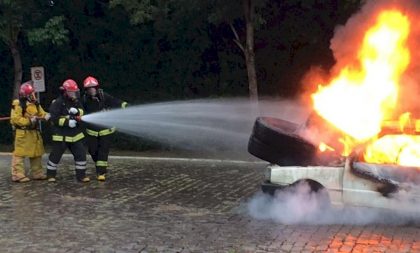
{"points": [[38, 80], [37, 74]]}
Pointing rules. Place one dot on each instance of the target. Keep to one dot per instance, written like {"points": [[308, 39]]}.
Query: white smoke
{"points": [[302, 206]]}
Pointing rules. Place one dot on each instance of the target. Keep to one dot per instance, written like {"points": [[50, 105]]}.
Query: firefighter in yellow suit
{"points": [[24, 118]]}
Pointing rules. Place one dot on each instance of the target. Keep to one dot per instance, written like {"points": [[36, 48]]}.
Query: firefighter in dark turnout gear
{"points": [[98, 138], [66, 112]]}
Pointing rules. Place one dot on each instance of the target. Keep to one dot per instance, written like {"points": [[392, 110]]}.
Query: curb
{"points": [[167, 159]]}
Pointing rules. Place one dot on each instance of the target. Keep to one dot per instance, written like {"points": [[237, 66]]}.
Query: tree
{"points": [[19, 22], [249, 13], [238, 14], [220, 11]]}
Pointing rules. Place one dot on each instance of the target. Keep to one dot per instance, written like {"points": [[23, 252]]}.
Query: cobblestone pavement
{"points": [[167, 206]]}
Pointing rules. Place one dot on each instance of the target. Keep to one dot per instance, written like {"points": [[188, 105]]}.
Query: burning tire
{"points": [[276, 141]]}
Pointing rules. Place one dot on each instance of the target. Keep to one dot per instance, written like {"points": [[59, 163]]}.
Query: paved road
{"points": [[163, 205]]}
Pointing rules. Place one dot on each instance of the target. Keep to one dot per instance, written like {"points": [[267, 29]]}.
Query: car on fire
{"points": [[293, 161]]}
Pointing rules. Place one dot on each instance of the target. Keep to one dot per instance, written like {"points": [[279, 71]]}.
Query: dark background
{"points": [[185, 54]]}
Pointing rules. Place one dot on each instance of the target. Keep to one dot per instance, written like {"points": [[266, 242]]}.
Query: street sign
{"points": [[37, 76]]}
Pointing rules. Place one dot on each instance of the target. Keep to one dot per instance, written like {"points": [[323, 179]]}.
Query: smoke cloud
{"points": [[302, 206]]}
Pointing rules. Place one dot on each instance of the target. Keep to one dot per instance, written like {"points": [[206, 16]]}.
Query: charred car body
{"points": [[341, 180]]}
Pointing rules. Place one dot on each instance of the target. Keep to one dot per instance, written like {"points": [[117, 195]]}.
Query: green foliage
{"points": [[221, 11], [18, 16], [11, 20], [53, 31], [143, 10]]}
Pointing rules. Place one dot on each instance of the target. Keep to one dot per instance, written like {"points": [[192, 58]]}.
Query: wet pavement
{"points": [[168, 205]]}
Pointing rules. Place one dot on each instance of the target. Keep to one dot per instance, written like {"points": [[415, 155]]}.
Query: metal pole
{"points": [[38, 95]]}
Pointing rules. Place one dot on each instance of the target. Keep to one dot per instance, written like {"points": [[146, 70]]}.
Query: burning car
{"points": [[361, 144], [339, 180]]}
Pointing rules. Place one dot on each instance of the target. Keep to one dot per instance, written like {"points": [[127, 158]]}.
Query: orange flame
{"points": [[360, 98], [402, 149], [324, 147], [395, 149]]}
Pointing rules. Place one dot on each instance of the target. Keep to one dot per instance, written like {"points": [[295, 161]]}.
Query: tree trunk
{"points": [[17, 62], [249, 49]]}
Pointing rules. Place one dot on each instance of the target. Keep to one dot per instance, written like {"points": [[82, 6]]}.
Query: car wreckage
{"points": [[342, 181]]}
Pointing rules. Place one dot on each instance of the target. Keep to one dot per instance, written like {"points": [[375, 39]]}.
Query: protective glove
{"points": [[33, 120], [47, 116], [73, 111], [72, 123]]}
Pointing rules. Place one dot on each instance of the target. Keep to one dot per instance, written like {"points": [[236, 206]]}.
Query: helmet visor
{"points": [[91, 91], [73, 95], [31, 97]]}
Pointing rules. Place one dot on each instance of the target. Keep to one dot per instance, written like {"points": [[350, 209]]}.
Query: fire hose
{"points": [[8, 118], [77, 118]]}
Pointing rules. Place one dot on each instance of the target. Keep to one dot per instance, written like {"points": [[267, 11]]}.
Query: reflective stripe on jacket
{"points": [[60, 119]]}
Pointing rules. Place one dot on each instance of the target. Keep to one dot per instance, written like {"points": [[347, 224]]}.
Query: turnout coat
{"points": [[28, 139]]}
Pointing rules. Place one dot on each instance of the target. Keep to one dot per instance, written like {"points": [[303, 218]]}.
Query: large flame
{"points": [[402, 148], [395, 149], [360, 98]]}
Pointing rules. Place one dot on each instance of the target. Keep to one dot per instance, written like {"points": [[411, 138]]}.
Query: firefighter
{"points": [[24, 116], [66, 112], [99, 138]]}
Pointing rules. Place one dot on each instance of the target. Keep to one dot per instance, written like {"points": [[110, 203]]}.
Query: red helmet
{"points": [[70, 90], [90, 82], [26, 89], [70, 85]]}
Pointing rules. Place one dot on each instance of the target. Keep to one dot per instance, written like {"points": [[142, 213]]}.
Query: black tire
{"points": [[275, 140], [267, 153], [314, 197], [262, 123], [317, 193], [270, 188]]}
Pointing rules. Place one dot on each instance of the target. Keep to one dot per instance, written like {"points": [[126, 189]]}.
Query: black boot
{"points": [[81, 176], [100, 173], [51, 174]]}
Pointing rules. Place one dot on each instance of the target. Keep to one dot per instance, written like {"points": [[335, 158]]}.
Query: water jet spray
{"points": [[206, 124]]}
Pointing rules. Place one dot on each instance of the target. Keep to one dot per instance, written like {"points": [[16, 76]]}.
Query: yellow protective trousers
{"points": [[18, 167]]}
